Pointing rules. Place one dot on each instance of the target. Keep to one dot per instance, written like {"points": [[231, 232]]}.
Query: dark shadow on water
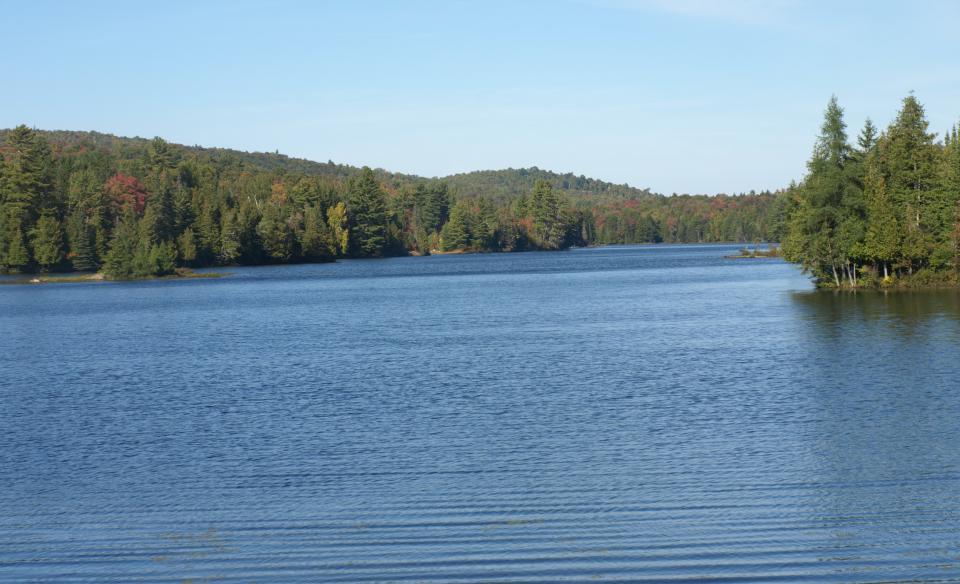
{"points": [[906, 311]]}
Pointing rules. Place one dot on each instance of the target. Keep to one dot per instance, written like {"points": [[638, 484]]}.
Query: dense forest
{"points": [[132, 207], [882, 212]]}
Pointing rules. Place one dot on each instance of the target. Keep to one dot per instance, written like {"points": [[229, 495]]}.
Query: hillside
{"points": [[133, 207], [502, 185], [498, 185]]}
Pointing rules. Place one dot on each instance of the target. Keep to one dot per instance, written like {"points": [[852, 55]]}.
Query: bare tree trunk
{"points": [[885, 276], [836, 279]]}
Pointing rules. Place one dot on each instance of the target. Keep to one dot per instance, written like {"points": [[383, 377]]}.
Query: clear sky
{"points": [[679, 96]]}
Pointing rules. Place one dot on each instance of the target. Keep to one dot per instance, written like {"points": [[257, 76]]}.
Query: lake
{"points": [[643, 414]]}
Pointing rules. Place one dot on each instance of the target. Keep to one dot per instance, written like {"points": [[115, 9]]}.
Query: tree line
{"points": [[138, 208], [881, 212]]}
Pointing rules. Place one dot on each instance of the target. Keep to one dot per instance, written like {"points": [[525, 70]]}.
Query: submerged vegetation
{"points": [[134, 208], [882, 213]]}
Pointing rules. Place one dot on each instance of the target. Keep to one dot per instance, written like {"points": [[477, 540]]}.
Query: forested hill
{"points": [[134, 207], [503, 185], [132, 148], [498, 185]]}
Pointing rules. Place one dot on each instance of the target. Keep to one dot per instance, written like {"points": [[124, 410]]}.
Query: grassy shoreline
{"points": [[180, 274]]}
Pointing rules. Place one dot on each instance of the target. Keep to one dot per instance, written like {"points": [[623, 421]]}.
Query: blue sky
{"points": [[679, 96]]}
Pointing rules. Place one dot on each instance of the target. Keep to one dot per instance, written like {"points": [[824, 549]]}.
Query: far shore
{"points": [[180, 274]]}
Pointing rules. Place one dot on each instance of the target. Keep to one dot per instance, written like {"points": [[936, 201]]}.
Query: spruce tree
{"points": [[47, 238], [17, 254], [822, 233], [83, 253], [119, 261], [26, 177], [882, 236], [910, 161], [228, 248], [368, 215], [455, 234], [163, 259], [275, 235]]}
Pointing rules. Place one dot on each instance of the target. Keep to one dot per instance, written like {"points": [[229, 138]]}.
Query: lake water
{"points": [[643, 414]]}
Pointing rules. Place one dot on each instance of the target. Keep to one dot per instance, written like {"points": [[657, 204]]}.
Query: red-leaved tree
{"points": [[125, 193]]}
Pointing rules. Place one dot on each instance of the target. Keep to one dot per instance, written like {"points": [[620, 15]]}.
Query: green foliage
{"points": [[187, 245], [83, 256], [548, 221], [456, 232], [316, 239], [122, 205], [339, 228], [276, 237], [163, 260], [229, 248], [887, 210], [16, 255], [368, 214], [119, 261], [47, 238]]}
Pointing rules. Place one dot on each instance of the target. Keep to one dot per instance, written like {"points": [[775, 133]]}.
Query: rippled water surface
{"points": [[617, 414]]}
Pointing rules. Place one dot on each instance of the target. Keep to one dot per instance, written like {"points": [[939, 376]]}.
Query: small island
{"points": [[772, 251]]}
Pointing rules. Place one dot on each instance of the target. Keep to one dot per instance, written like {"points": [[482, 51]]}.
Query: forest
{"points": [[133, 207], [882, 212]]}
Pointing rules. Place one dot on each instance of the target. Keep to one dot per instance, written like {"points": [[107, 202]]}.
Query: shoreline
{"points": [[181, 274]]}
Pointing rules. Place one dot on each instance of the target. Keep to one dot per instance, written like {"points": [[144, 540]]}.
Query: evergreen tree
{"points": [[25, 191], [187, 245], [26, 184], [275, 234], [824, 234], [161, 156], [882, 238], [144, 263], [368, 215], [119, 261], [159, 219], [229, 244], [208, 230], [83, 256], [47, 238], [432, 203], [316, 241], [484, 226], [17, 254], [163, 259], [909, 158], [456, 232]]}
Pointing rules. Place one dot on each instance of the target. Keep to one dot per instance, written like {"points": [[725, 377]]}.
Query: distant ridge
{"points": [[498, 185]]}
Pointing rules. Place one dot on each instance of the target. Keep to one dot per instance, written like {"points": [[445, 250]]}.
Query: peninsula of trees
{"points": [[881, 213], [131, 207]]}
